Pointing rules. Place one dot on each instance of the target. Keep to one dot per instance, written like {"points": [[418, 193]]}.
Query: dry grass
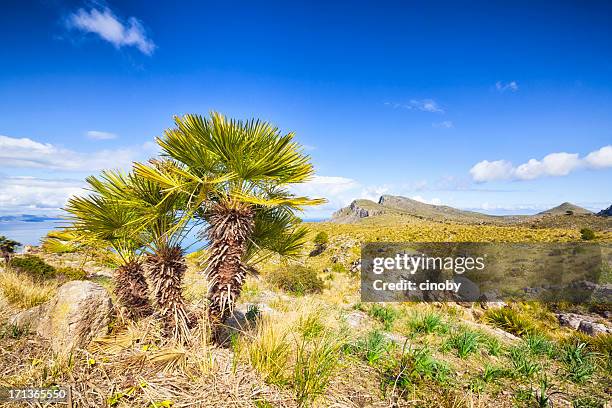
{"points": [[23, 292]]}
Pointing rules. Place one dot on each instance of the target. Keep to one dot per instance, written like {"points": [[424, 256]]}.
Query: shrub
{"points": [[34, 266], [321, 238], [338, 268], [296, 279], [384, 314], [70, 273], [587, 234]]}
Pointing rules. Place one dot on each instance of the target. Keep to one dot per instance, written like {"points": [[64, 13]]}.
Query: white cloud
{"points": [[509, 86], [554, 165], [490, 171], [98, 135], [600, 158], [425, 105], [446, 124], [27, 153], [19, 195], [108, 27], [433, 201]]}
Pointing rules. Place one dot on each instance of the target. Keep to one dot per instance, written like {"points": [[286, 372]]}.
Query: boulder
{"points": [[592, 328], [569, 320], [79, 312]]}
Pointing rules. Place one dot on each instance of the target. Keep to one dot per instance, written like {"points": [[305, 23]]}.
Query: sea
{"points": [[31, 232]]}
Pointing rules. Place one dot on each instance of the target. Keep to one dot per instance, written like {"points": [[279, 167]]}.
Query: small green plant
{"points": [[413, 365], [315, 362], [33, 266], [296, 279], [465, 342], [578, 361], [539, 345], [253, 312], [492, 344], [522, 362], [587, 234], [372, 347], [492, 373], [384, 314], [427, 323]]}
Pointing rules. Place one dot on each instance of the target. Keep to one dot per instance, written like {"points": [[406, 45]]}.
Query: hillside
{"points": [[406, 208], [392, 210], [566, 209]]}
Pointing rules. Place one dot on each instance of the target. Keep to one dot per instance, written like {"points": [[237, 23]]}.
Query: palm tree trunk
{"points": [[230, 227], [132, 291], [166, 269]]}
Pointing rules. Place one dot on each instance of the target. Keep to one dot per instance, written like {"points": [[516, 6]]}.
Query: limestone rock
{"points": [[79, 312]]}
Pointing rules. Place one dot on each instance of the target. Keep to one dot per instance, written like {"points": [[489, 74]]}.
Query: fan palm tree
{"points": [[7, 248], [234, 176], [103, 219], [162, 222]]}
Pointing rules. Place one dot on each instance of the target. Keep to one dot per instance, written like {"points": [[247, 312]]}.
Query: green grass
{"points": [[315, 362], [523, 364], [464, 342], [578, 361], [413, 366], [371, 348], [427, 323], [384, 314], [539, 345]]}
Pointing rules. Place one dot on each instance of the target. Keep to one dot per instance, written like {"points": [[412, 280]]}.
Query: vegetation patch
{"points": [[33, 266], [296, 279]]}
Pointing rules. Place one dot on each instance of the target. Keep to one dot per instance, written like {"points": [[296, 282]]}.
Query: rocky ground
{"points": [[325, 348]]}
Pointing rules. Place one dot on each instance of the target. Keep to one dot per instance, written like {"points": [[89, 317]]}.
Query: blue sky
{"points": [[495, 106]]}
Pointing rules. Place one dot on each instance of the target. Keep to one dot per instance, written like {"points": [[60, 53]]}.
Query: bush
{"points": [[578, 361], [296, 279], [321, 238], [587, 234], [33, 266], [70, 273]]}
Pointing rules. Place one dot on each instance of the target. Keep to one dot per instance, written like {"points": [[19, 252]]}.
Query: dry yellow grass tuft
{"points": [[23, 292]]}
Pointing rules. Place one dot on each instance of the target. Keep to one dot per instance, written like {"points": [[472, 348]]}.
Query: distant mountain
{"points": [[606, 213], [566, 209], [27, 218], [407, 207]]}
